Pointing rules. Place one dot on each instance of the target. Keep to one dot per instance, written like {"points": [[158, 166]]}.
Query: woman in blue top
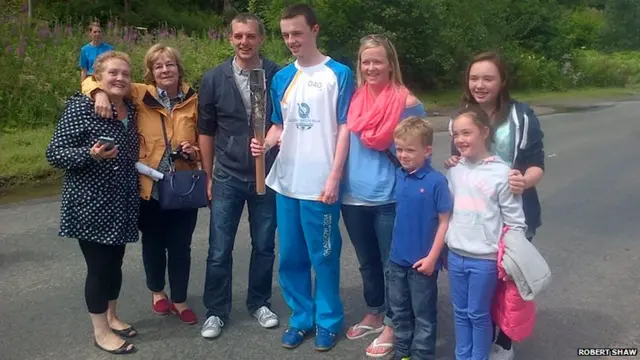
{"points": [[368, 210], [517, 140]]}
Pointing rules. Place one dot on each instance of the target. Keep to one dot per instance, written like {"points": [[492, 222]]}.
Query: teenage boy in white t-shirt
{"points": [[310, 100]]}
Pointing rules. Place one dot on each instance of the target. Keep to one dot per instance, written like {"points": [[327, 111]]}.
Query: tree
{"points": [[622, 29]]}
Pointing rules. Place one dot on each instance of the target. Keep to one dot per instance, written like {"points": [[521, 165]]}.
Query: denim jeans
{"points": [[472, 286], [166, 247], [413, 297], [229, 196], [370, 229]]}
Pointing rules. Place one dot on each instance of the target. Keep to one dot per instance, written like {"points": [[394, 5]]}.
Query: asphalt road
{"points": [[590, 239]]}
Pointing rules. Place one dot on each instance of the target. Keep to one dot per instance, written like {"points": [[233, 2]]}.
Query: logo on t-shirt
{"points": [[303, 110], [303, 122]]}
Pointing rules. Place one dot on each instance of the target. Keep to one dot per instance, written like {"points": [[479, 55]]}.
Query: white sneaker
{"points": [[499, 353], [267, 318], [212, 327]]}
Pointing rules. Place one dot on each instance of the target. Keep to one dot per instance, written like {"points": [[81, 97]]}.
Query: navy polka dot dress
{"points": [[100, 198]]}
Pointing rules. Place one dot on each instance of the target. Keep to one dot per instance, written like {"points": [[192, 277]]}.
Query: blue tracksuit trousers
{"points": [[309, 235]]}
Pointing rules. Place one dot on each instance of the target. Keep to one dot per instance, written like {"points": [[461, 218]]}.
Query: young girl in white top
{"points": [[483, 204]]}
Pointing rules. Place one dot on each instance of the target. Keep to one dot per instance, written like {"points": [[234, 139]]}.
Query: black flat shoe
{"points": [[122, 350], [128, 332]]}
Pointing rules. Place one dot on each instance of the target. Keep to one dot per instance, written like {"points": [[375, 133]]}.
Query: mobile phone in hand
{"points": [[107, 140]]}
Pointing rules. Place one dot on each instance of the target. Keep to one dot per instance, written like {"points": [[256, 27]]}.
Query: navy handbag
{"points": [[181, 189]]}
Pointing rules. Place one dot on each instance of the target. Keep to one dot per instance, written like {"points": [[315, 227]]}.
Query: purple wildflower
{"points": [[21, 49], [8, 50], [24, 8], [43, 32]]}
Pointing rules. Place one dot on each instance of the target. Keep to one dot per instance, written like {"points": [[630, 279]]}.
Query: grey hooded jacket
{"points": [[525, 265]]}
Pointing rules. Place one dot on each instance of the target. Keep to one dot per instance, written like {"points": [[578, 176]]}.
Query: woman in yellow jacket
{"points": [[166, 234]]}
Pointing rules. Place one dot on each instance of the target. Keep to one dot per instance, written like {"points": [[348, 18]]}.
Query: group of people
{"points": [[336, 144]]}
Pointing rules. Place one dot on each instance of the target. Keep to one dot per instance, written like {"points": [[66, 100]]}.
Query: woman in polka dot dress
{"points": [[100, 193]]}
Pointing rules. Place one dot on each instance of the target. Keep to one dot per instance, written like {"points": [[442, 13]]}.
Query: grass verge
{"points": [[22, 153], [22, 158]]}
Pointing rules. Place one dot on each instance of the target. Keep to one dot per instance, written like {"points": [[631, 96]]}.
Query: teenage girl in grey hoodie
{"points": [[483, 204]]}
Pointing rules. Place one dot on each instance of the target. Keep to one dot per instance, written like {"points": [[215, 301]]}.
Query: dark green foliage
{"points": [[622, 30]]}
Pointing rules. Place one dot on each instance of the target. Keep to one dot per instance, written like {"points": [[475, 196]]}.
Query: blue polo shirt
{"points": [[420, 197]]}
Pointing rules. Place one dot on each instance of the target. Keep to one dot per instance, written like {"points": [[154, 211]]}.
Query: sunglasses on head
{"points": [[375, 37]]}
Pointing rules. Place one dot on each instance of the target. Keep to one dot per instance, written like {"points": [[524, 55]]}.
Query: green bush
{"points": [[532, 71], [595, 69], [583, 28], [188, 18]]}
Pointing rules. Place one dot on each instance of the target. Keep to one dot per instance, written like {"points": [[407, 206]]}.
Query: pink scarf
{"points": [[376, 119]]}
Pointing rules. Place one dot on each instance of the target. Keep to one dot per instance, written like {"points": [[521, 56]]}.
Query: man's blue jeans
{"points": [[229, 196]]}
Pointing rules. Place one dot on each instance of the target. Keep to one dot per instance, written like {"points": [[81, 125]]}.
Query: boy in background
{"points": [[92, 50], [423, 207]]}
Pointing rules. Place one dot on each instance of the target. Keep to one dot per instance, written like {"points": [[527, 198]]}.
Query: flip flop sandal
{"points": [[122, 350], [128, 332], [368, 330], [387, 346]]}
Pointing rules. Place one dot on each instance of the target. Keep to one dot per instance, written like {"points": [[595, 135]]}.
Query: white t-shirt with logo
{"points": [[310, 103]]}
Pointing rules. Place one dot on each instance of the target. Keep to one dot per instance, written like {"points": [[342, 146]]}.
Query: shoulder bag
{"points": [[181, 189]]}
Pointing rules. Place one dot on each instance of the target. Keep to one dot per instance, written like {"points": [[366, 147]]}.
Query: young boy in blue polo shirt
{"points": [[423, 206]]}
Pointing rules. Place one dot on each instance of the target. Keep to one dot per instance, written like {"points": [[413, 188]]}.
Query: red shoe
{"points": [[161, 307], [187, 316]]}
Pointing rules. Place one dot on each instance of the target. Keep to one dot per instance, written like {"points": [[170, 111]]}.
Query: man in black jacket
{"points": [[224, 114]]}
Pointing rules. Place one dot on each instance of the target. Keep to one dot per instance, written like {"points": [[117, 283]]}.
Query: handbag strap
{"points": [[392, 158], [167, 144]]}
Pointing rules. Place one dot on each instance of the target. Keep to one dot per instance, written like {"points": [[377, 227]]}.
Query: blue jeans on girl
{"points": [[472, 286]]}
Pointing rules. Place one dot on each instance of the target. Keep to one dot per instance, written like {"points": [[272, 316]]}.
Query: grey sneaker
{"points": [[267, 318], [212, 327]]}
